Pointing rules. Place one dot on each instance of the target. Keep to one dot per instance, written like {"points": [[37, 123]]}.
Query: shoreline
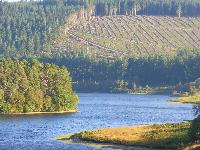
{"points": [[153, 92], [192, 99], [180, 102], [41, 113], [100, 139], [94, 144]]}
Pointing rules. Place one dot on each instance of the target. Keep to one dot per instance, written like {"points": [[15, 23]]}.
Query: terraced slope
{"points": [[116, 36]]}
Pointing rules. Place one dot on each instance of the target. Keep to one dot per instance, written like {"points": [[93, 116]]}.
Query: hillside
{"points": [[116, 36]]}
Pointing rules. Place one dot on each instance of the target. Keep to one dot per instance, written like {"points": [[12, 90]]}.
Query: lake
{"points": [[95, 111]]}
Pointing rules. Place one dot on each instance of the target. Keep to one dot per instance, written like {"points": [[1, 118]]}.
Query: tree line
{"points": [[29, 86], [145, 7], [90, 74]]}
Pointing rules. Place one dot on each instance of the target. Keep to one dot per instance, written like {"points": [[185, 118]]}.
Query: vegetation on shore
{"points": [[145, 90], [188, 93], [35, 87], [132, 75], [164, 136], [193, 99]]}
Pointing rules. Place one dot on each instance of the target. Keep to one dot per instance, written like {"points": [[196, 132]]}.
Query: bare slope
{"points": [[113, 36]]}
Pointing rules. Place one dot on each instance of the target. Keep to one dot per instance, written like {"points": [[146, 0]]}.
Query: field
{"points": [[123, 36]]}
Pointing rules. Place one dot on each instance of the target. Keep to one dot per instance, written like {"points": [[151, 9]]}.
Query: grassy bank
{"points": [[165, 136], [193, 99]]}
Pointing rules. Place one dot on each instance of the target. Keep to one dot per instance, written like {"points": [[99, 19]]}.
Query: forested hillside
{"points": [[92, 38], [28, 28], [35, 87]]}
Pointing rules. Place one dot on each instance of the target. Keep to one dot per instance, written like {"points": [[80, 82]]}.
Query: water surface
{"points": [[95, 111]]}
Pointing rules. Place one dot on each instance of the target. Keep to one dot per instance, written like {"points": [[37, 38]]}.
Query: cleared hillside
{"points": [[117, 36]]}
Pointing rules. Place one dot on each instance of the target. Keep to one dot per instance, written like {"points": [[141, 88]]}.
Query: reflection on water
{"points": [[95, 111]]}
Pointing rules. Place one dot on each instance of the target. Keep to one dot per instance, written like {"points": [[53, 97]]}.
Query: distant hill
{"points": [[118, 36], [27, 28]]}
